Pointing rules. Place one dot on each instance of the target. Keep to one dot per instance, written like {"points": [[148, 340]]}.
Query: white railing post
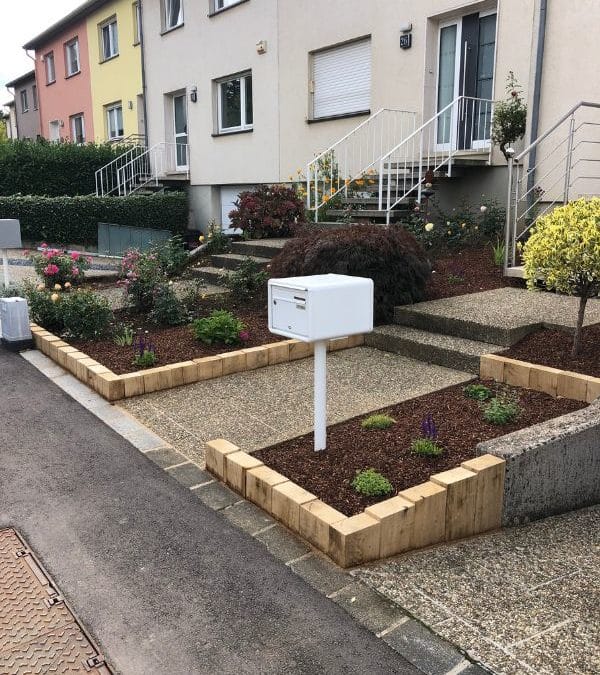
{"points": [[420, 176], [381, 184], [509, 235], [568, 159]]}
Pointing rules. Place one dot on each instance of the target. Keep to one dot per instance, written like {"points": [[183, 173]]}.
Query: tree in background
{"points": [[510, 116]]}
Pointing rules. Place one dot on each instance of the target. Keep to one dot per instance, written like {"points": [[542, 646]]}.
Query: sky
{"points": [[20, 21]]}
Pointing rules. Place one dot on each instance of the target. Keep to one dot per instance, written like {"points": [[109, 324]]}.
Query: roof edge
{"points": [[26, 76]]}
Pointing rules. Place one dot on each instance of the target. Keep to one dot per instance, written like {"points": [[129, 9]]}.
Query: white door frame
{"points": [[453, 112], [176, 135]]}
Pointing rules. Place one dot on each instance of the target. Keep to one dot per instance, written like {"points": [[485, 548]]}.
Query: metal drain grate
{"points": [[38, 632]]}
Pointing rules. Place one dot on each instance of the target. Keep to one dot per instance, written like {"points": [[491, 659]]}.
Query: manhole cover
{"points": [[38, 631]]}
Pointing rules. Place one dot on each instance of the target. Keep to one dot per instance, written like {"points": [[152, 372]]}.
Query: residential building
{"points": [[26, 108], [248, 91], [10, 120], [89, 74]]}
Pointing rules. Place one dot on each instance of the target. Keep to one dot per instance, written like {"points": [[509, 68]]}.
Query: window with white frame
{"points": [[234, 103], [137, 23], [78, 129], [72, 57], [34, 96], [341, 79], [223, 4], [109, 39], [50, 69], [173, 13], [114, 121], [24, 101]]}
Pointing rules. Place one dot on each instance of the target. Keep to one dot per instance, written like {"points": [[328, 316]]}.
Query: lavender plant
{"points": [[426, 445], [144, 352]]}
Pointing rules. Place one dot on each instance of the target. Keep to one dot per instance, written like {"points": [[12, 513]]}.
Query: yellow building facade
{"points": [[115, 57]]}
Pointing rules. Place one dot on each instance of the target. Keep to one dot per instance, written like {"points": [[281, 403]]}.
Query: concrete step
{"points": [[366, 201], [261, 248], [442, 350], [366, 213], [232, 261], [213, 275]]}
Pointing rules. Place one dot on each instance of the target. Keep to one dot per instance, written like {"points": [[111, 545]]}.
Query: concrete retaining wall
{"points": [[551, 467]]}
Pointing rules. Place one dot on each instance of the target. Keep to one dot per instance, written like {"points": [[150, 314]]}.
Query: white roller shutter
{"points": [[342, 79]]}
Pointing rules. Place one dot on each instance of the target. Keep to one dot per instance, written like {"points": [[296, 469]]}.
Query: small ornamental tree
{"points": [[564, 251], [510, 116]]}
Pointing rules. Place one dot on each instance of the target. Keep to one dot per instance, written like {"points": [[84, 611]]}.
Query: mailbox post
{"points": [[10, 237], [317, 309]]}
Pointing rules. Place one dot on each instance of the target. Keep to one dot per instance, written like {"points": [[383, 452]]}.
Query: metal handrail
{"points": [[105, 176], [151, 164]]}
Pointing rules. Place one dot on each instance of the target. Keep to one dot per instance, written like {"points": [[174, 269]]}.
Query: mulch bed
{"points": [[466, 271], [553, 348], [350, 449], [175, 344]]}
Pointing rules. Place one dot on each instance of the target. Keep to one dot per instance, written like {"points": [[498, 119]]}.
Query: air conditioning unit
{"points": [[14, 324]]}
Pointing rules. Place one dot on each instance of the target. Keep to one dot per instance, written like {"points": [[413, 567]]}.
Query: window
{"points": [[341, 80], [109, 39], [77, 129], [235, 104], [137, 23], [222, 4], [72, 57], [114, 121], [173, 13], [35, 98], [24, 101], [50, 70]]}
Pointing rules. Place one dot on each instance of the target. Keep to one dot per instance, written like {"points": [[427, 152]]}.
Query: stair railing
{"points": [[462, 127], [562, 164], [107, 177], [152, 165], [354, 155]]}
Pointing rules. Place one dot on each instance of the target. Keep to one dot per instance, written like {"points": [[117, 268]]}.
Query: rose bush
{"points": [[55, 266]]}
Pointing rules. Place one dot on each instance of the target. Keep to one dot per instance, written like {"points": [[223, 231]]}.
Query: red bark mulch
{"points": [[553, 348], [465, 271], [350, 448]]}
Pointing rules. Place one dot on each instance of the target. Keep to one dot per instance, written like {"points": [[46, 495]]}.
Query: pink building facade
{"points": [[63, 83]]}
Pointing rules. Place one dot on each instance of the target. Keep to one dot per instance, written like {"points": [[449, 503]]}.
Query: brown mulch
{"points": [[350, 448], [465, 271], [553, 348], [174, 344]]}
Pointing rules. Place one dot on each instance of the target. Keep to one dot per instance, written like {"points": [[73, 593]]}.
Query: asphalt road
{"points": [[163, 583]]}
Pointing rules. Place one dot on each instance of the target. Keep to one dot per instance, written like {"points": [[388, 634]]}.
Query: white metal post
{"points": [[320, 378], [5, 266]]}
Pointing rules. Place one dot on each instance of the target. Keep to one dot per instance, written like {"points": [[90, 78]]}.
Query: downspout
{"points": [[143, 72], [537, 89]]}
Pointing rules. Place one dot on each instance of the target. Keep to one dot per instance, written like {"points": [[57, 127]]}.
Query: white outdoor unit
{"points": [[317, 309], [10, 237], [14, 323]]}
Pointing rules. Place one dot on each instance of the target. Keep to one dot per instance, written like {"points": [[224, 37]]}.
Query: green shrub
{"points": [[145, 359], [42, 308], [378, 422], [371, 483], [502, 409], [478, 391], [85, 315], [53, 169], [74, 220], [54, 266], [426, 447], [249, 281], [123, 336], [268, 211], [216, 240], [171, 255], [221, 327], [390, 256], [167, 309]]}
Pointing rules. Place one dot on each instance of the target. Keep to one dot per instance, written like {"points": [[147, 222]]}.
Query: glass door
{"points": [[484, 84], [447, 86], [181, 134]]}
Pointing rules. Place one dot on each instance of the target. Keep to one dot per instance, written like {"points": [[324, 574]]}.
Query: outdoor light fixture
{"points": [[130, 105], [194, 94], [261, 47]]}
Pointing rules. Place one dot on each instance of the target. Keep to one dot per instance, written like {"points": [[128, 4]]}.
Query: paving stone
{"points": [[165, 457], [216, 495], [321, 574], [190, 475], [282, 543], [248, 517], [368, 607], [423, 649]]}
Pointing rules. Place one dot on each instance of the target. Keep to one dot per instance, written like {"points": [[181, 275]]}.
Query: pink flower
{"points": [[244, 335], [89, 259], [75, 271], [26, 252], [75, 255], [43, 245], [49, 270]]}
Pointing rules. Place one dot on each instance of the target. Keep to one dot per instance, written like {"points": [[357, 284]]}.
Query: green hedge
{"points": [[52, 169], [74, 220]]}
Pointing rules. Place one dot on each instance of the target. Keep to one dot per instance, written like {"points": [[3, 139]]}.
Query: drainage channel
{"points": [[38, 631]]}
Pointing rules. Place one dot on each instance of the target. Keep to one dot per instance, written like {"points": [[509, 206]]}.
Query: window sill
{"points": [[225, 9], [110, 58], [359, 113], [67, 77], [232, 133], [164, 31], [49, 83]]}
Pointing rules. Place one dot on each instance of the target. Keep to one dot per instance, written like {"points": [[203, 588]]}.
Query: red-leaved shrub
{"points": [[268, 211]]}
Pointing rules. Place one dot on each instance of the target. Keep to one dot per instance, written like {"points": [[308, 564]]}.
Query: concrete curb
{"points": [[428, 652], [115, 387], [452, 505]]}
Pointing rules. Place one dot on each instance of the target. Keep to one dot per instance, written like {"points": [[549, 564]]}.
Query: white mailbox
{"points": [[316, 309], [320, 307]]}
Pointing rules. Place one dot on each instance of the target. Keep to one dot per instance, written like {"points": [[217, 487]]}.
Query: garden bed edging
{"points": [[115, 387]]}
